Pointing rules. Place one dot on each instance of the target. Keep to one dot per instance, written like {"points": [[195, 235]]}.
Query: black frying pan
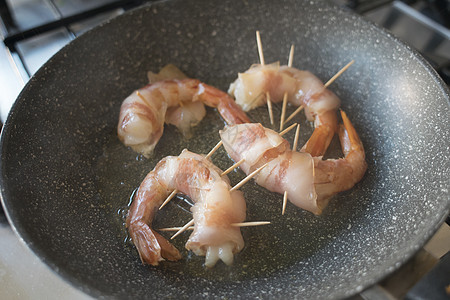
{"points": [[66, 179]]}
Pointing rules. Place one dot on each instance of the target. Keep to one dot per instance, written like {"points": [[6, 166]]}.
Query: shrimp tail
{"points": [[232, 113], [325, 128], [168, 251], [348, 137], [151, 246], [146, 243], [228, 109], [319, 141], [352, 148]]}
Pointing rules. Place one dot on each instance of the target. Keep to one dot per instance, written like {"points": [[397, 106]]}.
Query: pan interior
{"points": [[289, 239], [67, 180]]}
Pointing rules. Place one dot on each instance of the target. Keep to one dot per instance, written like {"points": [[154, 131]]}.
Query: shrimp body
{"points": [[176, 101], [250, 88], [286, 170], [215, 209], [302, 88], [310, 182]]}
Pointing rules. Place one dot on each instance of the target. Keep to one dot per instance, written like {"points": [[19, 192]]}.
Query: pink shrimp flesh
{"points": [[175, 101], [215, 209], [287, 170], [302, 88]]}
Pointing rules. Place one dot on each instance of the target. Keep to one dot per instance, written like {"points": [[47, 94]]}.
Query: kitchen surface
{"points": [[33, 30]]}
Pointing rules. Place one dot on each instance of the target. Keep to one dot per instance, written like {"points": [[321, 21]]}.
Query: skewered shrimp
{"points": [[215, 209], [175, 101], [302, 88], [310, 182]]}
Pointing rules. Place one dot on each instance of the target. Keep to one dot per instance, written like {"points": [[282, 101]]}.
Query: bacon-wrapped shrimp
{"points": [[302, 88], [178, 101], [215, 209], [309, 181]]}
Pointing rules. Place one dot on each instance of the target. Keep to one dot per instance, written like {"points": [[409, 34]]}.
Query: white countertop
{"points": [[23, 276]]}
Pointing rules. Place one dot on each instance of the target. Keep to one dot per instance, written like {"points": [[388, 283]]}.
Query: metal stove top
{"points": [[33, 30]]}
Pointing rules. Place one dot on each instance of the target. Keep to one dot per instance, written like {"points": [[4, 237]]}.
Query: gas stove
{"points": [[33, 30]]}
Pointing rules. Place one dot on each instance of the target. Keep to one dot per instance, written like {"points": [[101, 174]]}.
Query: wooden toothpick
{"points": [[338, 74], [287, 129], [269, 107], [283, 109], [297, 131], [140, 96], [261, 60], [174, 228], [291, 56], [250, 176], [260, 50], [284, 202], [220, 143], [243, 224], [294, 113], [250, 224], [232, 167], [182, 229], [169, 198]]}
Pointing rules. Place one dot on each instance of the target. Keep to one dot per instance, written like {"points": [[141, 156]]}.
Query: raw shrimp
{"points": [[309, 181], [302, 88], [215, 209], [336, 175], [175, 101], [286, 170]]}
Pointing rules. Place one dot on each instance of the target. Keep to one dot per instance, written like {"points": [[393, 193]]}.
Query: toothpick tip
{"points": [[232, 167], [299, 109], [338, 73], [184, 228], [260, 50], [213, 150], [269, 107], [174, 192], [246, 179], [284, 203], [287, 129]]}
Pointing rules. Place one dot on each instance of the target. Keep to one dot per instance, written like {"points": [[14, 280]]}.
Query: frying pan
{"points": [[67, 180]]}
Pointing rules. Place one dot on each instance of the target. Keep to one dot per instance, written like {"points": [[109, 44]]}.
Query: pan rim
{"points": [[27, 240]]}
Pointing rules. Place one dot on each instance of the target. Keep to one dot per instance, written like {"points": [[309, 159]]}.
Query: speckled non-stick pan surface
{"points": [[67, 180]]}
